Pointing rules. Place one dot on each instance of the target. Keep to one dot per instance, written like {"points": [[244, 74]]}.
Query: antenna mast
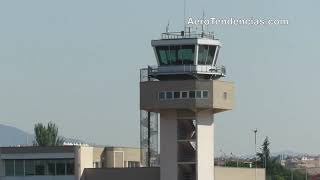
{"points": [[202, 25], [184, 15]]}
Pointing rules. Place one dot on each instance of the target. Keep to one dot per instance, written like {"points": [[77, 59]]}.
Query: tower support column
{"points": [[205, 145], [168, 145]]}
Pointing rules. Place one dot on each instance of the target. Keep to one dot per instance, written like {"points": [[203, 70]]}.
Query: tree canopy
{"points": [[47, 135]]}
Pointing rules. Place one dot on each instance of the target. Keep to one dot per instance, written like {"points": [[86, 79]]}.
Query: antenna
{"points": [[167, 28], [202, 25], [184, 14]]}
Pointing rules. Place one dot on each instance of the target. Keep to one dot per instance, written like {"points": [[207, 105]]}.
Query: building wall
{"points": [[84, 159], [149, 92], [225, 173], [129, 154], [221, 173]]}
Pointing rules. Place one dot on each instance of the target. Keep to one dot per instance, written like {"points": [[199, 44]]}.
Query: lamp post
{"points": [[255, 155]]}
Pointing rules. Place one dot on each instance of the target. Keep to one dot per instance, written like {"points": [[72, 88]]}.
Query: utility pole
{"points": [[255, 155], [306, 174]]}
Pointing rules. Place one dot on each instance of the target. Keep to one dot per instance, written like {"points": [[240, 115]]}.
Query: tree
{"points": [[47, 136], [274, 170], [264, 156]]}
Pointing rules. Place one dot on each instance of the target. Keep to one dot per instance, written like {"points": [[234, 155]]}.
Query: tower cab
{"points": [[182, 55]]}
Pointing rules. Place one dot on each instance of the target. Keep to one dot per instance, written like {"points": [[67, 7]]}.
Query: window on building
{"points": [[175, 55], [70, 167], [169, 95], [51, 167], [60, 167], [40, 167], [206, 54], [184, 94], [162, 95], [19, 167], [176, 94], [9, 167], [29, 168], [192, 94], [198, 94], [132, 164], [205, 94]]}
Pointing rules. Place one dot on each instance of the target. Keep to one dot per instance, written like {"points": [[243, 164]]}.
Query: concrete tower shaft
{"points": [[186, 91]]}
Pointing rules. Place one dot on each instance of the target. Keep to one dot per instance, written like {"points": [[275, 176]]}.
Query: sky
{"points": [[77, 63]]}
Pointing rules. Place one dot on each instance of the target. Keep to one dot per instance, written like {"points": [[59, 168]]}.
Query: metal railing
{"points": [[186, 34], [187, 69]]}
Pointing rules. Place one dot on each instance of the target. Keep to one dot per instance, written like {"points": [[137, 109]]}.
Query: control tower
{"points": [[185, 91]]}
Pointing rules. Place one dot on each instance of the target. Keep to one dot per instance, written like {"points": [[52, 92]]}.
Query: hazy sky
{"points": [[77, 63]]}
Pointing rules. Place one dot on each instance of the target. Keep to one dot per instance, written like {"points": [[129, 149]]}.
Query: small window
{"points": [[162, 95], [198, 94], [176, 95], [205, 94], [192, 94], [184, 94], [225, 95], [169, 95]]}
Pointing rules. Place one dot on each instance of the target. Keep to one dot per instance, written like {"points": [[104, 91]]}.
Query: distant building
{"points": [[62, 162]]}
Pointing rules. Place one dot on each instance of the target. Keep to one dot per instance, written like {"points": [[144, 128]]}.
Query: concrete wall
{"points": [[205, 143], [83, 159], [225, 173], [223, 95], [149, 92], [122, 174], [129, 154], [221, 173], [168, 145]]}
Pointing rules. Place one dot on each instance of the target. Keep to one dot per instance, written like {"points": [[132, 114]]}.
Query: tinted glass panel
{"points": [[9, 166], [29, 168], [161, 95], [205, 94], [198, 94], [70, 167], [192, 94], [60, 167], [176, 95], [39, 167], [19, 168], [184, 94], [175, 55], [169, 95], [51, 167], [206, 54]]}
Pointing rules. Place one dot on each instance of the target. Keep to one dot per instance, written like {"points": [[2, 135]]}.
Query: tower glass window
{"points": [[176, 94], [205, 94], [206, 54], [192, 94], [162, 95], [175, 55], [169, 95]]}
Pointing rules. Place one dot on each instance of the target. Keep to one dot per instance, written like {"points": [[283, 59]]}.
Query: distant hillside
{"points": [[11, 136]]}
